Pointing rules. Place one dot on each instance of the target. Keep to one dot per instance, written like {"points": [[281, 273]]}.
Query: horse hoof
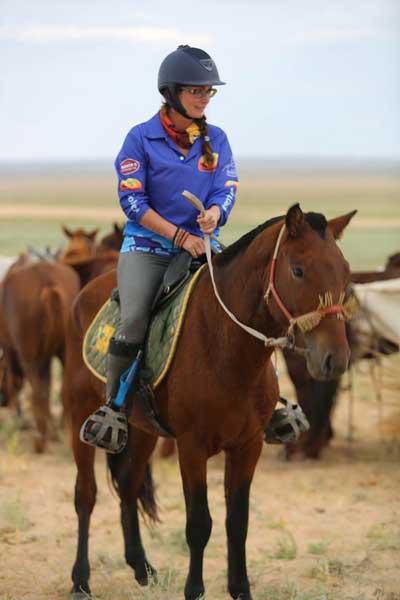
{"points": [[39, 445], [81, 594], [148, 575]]}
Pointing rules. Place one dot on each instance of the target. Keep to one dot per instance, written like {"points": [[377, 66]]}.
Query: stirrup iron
{"points": [[106, 428], [286, 424]]}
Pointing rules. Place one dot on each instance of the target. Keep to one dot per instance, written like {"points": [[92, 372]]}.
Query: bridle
{"points": [[309, 320], [306, 322]]}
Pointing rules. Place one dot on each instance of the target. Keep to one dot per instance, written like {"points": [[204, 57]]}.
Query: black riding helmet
{"points": [[185, 66]]}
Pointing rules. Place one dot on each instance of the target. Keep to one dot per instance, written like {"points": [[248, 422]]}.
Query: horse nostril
{"points": [[328, 364]]}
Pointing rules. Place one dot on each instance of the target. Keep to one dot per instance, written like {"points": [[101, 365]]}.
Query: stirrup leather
{"points": [[106, 428], [286, 424]]}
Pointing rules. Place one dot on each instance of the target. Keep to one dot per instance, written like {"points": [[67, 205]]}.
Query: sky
{"points": [[306, 78]]}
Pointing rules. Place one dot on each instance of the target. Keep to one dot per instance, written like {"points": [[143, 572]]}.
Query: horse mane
{"points": [[317, 221]]}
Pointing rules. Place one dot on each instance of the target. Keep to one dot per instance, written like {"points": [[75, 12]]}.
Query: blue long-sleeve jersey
{"points": [[153, 172]]}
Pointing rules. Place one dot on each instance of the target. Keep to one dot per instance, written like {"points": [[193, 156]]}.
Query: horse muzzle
{"points": [[327, 363]]}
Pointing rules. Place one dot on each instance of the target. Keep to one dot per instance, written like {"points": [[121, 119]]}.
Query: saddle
{"points": [[168, 311]]}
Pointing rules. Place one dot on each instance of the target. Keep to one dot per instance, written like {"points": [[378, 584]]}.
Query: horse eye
{"points": [[297, 271]]}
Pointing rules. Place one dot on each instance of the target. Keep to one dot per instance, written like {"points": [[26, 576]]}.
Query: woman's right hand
{"points": [[194, 245]]}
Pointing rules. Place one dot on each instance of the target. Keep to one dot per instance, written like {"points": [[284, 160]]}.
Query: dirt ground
{"points": [[319, 530]]}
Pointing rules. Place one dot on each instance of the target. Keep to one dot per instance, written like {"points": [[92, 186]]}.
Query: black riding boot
{"points": [[108, 427]]}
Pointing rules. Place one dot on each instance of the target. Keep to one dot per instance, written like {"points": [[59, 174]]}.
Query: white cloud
{"points": [[73, 33]]}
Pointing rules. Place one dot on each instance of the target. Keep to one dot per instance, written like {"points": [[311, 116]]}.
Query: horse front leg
{"points": [[239, 471], [132, 478], [193, 465]]}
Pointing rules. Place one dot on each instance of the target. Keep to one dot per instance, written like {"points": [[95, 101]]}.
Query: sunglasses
{"points": [[199, 92]]}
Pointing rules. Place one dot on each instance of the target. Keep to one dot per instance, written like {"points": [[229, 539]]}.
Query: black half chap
{"points": [[139, 277]]}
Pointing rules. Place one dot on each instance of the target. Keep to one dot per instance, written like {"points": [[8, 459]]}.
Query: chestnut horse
{"points": [[221, 389]]}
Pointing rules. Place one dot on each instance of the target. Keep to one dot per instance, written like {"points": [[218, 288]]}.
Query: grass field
{"points": [[33, 207]]}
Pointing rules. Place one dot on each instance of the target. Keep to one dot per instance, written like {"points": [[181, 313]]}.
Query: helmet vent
{"points": [[207, 63]]}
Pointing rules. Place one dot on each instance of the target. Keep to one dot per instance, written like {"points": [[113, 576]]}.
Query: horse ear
{"points": [[92, 234], [338, 225], [294, 220], [67, 231]]}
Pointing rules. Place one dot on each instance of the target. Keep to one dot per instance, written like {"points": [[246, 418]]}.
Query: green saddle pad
{"points": [[161, 340]]}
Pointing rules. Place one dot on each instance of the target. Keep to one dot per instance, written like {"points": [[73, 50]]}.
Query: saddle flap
{"points": [[176, 274]]}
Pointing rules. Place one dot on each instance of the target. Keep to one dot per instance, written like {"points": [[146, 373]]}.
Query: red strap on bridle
{"points": [[275, 294]]}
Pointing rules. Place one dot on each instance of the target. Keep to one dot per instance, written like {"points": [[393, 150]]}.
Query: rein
{"points": [[282, 342], [305, 322]]}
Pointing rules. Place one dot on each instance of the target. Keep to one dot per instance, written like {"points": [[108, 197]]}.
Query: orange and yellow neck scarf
{"points": [[184, 138]]}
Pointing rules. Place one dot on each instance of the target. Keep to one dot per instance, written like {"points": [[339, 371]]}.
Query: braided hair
{"points": [[206, 148]]}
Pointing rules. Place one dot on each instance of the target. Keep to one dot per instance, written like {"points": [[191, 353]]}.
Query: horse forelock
{"points": [[317, 221]]}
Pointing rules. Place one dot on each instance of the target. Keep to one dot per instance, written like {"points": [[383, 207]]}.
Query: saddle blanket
{"points": [[162, 337]]}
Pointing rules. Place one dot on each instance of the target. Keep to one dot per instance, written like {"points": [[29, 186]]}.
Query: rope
{"points": [[281, 342]]}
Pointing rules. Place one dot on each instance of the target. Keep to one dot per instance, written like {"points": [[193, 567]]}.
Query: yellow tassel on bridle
{"points": [[343, 310]]}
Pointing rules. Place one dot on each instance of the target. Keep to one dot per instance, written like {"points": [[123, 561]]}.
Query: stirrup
{"points": [[286, 424], [106, 428]]}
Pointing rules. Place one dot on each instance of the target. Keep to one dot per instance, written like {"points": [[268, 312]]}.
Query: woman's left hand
{"points": [[209, 220]]}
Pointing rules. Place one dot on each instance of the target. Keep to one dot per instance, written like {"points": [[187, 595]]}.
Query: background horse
{"points": [[221, 389], [89, 258], [35, 301], [318, 398]]}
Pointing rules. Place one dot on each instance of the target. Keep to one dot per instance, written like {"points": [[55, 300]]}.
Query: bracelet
{"points": [[183, 239], [175, 234], [178, 237]]}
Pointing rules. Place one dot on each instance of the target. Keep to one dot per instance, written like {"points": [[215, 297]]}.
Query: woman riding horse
{"points": [[176, 149]]}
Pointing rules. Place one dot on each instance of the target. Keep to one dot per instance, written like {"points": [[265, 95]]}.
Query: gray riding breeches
{"points": [[139, 277]]}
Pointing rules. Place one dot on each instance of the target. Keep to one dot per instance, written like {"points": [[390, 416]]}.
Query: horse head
{"points": [[308, 289], [81, 245], [113, 240]]}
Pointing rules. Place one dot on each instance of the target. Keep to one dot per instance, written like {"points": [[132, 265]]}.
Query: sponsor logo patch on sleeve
{"points": [[130, 184], [129, 166], [230, 168], [231, 183]]}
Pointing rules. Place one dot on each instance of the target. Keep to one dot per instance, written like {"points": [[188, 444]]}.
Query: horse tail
{"points": [[120, 479]]}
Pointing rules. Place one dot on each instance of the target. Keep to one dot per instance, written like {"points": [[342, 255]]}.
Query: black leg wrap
{"points": [[123, 349]]}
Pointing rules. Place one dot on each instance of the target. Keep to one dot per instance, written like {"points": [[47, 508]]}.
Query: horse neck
{"points": [[242, 283]]}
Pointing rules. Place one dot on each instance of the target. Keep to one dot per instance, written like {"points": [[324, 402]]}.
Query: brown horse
{"points": [[35, 300], [89, 258], [112, 241], [81, 244], [221, 388]]}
